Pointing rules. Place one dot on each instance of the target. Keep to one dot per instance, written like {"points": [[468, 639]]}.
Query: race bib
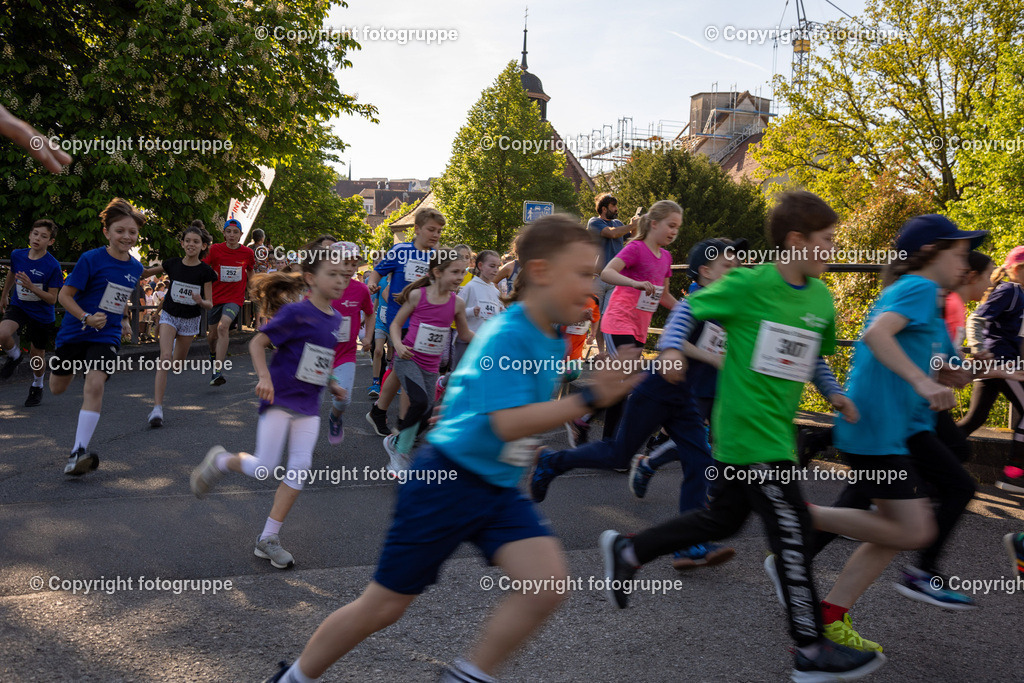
{"points": [[649, 302], [315, 365], [519, 453], [712, 339], [181, 293], [578, 328], [231, 273], [25, 294], [115, 298], [488, 310], [382, 315], [344, 331], [430, 339], [785, 352], [414, 270]]}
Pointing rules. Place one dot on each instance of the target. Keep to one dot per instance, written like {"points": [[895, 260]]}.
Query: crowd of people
{"points": [[733, 359]]}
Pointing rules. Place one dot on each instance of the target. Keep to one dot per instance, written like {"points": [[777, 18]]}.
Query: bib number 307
{"points": [[785, 352]]}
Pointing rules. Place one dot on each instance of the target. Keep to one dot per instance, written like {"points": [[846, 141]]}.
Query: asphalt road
{"points": [[135, 517]]}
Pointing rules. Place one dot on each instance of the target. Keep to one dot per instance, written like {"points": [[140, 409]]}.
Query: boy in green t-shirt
{"points": [[779, 320]]}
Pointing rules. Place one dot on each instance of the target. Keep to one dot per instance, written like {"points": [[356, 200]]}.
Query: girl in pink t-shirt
{"points": [[640, 273]]}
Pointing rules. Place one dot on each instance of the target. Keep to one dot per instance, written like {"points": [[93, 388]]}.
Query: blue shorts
{"points": [[432, 519]]}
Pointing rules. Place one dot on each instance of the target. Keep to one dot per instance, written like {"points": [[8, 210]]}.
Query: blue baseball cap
{"points": [[707, 250], [233, 220], [930, 228]]}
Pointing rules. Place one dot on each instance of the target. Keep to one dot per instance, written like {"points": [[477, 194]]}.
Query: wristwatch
{"points": [[588, 396]]}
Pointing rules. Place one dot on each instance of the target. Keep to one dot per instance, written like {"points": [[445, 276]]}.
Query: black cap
{"points": [[706, 251]]}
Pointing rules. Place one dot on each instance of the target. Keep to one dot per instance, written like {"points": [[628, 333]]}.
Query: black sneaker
{"points": [[834, 662], [35, 397], [811, 441], [378, 419], [617, 572], [10, 364], [218, 379], [79, 463], [282, 670], [580, 432]]}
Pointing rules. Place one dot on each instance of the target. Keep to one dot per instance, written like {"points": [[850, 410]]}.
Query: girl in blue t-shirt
{"points": [[94, 298], [463, 485], [304, 334]]}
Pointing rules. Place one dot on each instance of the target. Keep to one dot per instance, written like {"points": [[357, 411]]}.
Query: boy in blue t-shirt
{"points": [[26, 302], [94, 299]]}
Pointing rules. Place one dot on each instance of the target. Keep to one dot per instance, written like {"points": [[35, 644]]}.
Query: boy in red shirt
{"points": [[234, 264]]}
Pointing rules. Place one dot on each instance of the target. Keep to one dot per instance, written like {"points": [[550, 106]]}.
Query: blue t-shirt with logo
{"points": [[890, 410], [610, 246], [380, 306], [404, 263], [510, 363], [44, 274], [104, 285]]}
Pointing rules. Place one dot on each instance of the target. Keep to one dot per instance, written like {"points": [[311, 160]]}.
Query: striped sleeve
{"points": [[678, 327], [824, 380]]}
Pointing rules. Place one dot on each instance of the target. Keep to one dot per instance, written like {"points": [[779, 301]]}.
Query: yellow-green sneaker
{"points": [[842, 632]]}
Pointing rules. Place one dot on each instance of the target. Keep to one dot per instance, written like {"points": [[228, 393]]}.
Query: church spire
{"points": [[525, 15]]}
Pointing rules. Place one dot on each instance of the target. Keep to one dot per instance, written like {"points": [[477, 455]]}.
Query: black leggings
{"points": [[983, 396], [613, 414], [787, 524], [940, 467]]}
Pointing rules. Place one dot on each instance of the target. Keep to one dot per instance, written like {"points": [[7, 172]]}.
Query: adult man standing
{"points": [[613, 235]]}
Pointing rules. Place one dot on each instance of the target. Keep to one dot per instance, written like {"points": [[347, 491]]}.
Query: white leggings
{"points": [[274, 427]]}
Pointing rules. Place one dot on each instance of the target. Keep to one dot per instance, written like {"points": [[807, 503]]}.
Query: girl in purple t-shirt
{"points": [[304, 334], [430, 306]]}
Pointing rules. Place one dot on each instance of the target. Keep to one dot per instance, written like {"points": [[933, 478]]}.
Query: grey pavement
{"points": [[135, 517]]}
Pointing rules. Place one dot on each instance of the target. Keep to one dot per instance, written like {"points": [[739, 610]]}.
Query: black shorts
{"points": [[885, 477], [37, 333], [220, 310], [69, 359]]}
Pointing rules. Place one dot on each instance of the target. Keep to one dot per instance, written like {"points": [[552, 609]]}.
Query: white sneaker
{"points": [[270, 549], [156, 417], [206, 476], [399, 462], [79, 463]]}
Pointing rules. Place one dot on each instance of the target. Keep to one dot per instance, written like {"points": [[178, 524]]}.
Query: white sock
{"points": [[87, 421], [14, 352], [295, 675], [221, 461], [37, 382], [270, 528], [461, 666], [249, 464]]}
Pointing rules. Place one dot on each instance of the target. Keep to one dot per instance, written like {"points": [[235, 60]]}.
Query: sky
{"points": [[599, 60]]}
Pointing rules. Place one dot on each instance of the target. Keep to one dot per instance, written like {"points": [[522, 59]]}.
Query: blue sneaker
{"points": [[929, 588], [217, 379], [1015, 546], [702, 555], [640, 474], [280, 673], [335, 429], [374, 391], [542, 475]]}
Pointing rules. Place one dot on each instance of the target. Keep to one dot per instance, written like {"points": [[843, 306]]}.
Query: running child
{"points": [[405, 263], [483, 300], [354, 299], [640, 274], [484, 437], [191, 293], [778, 317], [382, 350], [27, 304], [994, 331], [429, 307], [94, 297], [304, 334], [891, 381], [234, 264]]}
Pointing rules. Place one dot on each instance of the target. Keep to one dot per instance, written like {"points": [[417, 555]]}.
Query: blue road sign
{"points": [[534, 210]]}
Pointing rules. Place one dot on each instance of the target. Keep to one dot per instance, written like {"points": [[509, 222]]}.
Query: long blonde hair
{"points": [[659, 211]]}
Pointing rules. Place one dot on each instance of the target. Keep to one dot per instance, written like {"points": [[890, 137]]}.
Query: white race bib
{"points": [[712, 339], [231, 273], [181, 293], [25, 294], [488, 310], [414, 270], [430, 339], [519, 453], [344, 331], [115, 298], [578, 328], [382, 314], [785, 352], [648, 302], [315, 364]]}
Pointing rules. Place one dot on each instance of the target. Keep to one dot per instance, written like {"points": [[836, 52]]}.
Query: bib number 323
{"points": [[785, 352]]}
